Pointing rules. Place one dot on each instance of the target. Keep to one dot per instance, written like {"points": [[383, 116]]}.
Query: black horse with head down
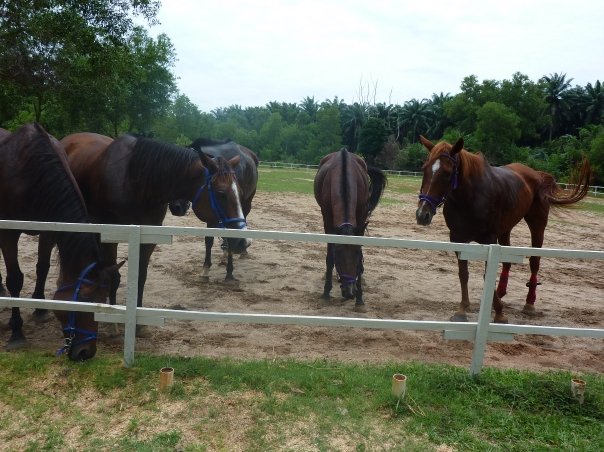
{"points": [[347, 190]]}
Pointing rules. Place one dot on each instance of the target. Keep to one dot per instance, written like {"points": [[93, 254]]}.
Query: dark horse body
{"points": [[246, 173], [37, 185], [483, 203], [347, 191], [131, 181]]}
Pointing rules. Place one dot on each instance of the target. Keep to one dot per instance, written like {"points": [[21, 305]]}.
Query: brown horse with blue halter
{"points": [[131, 181], [482, 204], [37, 185], [246, 175], [347, 191]]}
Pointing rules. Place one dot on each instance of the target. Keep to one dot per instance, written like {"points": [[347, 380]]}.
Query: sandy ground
{"points": [[282, 277]]}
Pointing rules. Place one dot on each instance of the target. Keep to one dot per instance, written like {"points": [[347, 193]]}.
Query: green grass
{"points": [[284, 180], [219, 404]]}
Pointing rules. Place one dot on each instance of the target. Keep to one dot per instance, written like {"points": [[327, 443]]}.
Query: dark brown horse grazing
{"points": [[132, 180], [483, 203], [347, 190], [246, 175], [37, 185]]}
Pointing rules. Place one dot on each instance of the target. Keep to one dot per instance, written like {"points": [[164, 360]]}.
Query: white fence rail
{"points": [[480, 332]]}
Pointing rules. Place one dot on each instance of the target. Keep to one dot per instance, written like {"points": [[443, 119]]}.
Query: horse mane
{"points": [[155, 165], [52, 192], [344, 182], [202, 141]]}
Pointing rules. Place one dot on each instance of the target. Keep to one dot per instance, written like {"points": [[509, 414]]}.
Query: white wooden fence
{"points": [[480, 332], [594, 190]]}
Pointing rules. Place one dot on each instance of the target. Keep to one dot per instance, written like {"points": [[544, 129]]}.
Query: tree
{"points": [[40, 39], [554, 87], [414, 119], [326, 136], [372, 139], [496, 131]]}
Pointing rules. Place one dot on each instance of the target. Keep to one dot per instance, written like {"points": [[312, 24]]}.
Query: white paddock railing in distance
{"points": [[594, 190], [480, 332]]}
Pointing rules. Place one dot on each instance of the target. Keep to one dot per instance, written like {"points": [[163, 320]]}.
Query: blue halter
{"points": [[435, 203], [223, 220], [71, 329]]}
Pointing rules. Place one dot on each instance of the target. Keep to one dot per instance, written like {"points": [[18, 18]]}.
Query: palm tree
{"points": [[594, 102], [353, 117], [310, 106], [438, 119], [555, 86], [415, 118]]}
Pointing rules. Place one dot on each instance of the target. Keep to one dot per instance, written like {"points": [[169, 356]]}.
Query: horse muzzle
{"points": [[82, 352], [424, 214], [238, 246], [349, 291]]}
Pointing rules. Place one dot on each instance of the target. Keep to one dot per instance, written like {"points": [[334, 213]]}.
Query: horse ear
{"points": [[234, 161], [458, 146], [427, 143], [207, 161]]}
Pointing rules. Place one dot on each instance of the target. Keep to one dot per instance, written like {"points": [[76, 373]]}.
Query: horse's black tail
{"points": [[377, 184]]}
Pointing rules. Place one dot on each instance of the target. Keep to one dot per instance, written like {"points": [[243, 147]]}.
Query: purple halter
{"points": [[435, 203]]}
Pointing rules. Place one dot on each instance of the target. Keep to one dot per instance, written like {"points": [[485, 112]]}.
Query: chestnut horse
{"points": [[246, 174], [347, 191], [131, 181], [37, 185], [482, 204]]}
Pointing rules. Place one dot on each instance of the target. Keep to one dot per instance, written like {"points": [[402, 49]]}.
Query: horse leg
{"points": [[229, 267], [359, 305], [14, 284], [504, 240], [143, 264], [460, 315], [46, 243], [109, 254], [537, 227], [329, 262], [207, 263]]}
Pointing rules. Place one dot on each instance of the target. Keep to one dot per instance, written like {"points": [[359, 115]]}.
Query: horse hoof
{"points": [[501, 319], [143, 331], [459, 317], [41, 316], [529, 310], [16, 344], [359, 308]]}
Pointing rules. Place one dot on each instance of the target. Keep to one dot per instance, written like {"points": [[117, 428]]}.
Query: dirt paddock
{"points": [[282, 277]]}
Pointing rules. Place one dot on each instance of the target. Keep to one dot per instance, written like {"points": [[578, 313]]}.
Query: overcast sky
{"points": [[252, 52]]}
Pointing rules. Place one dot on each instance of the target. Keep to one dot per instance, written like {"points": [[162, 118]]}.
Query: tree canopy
{"points": [[76, 66]]}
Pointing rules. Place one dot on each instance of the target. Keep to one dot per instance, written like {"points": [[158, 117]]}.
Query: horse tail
{"points": [[558, 197], [377, 184]]}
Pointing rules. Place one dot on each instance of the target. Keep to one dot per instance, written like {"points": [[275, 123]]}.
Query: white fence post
{"points": [[134, 243], [486, 303]]}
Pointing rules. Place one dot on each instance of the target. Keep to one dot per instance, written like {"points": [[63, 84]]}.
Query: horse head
{"points": [[218, 202], [440, 177], [348, 260], [80, 328]]}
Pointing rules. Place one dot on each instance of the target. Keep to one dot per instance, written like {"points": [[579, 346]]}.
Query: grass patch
{"points": [[298, 180], [284, 404]]}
